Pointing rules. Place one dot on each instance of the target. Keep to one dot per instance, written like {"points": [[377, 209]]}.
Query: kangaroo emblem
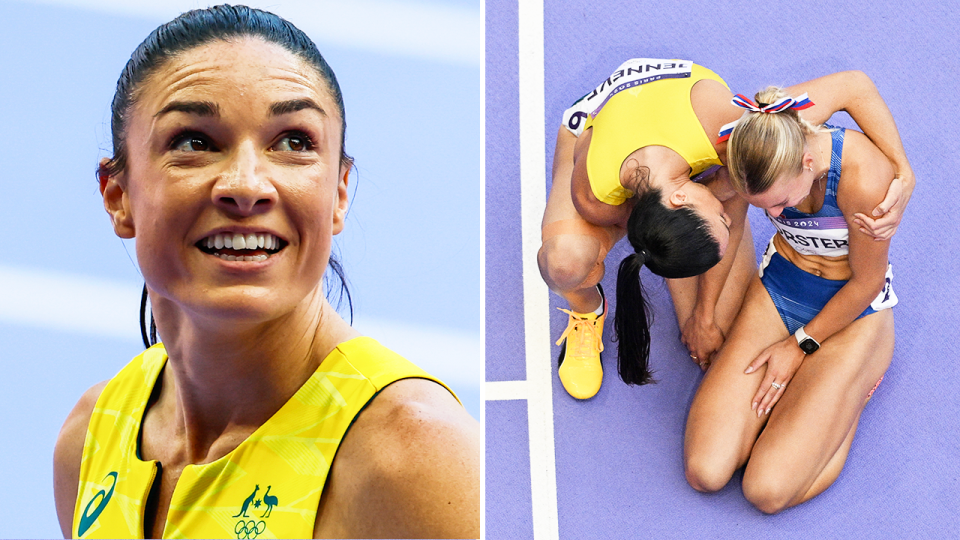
{"points": [[246, 503], [270, 500]]}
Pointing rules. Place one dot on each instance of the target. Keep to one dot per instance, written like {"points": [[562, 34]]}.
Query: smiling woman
{"points": [[229, 170]]}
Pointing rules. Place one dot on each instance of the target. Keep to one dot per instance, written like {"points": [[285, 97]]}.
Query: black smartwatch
{"points": [[807, 344]]}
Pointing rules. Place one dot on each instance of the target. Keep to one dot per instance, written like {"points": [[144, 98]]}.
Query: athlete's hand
{"points": [[888, 214], [702, 338], [783, 359]]}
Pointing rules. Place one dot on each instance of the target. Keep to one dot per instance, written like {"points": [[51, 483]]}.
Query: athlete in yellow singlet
{"points": [[262, 413], [626, 163], [269, 485], [657, 113]]}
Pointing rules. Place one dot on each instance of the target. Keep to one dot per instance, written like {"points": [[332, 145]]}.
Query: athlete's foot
{"points": [[580, 370]]}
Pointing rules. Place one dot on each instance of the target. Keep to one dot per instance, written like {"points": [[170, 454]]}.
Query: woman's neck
{"points": [[654, 167], [226, 378], [816, 143]]}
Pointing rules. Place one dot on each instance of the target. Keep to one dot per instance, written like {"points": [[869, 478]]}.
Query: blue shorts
{"points": [[800, 295]]}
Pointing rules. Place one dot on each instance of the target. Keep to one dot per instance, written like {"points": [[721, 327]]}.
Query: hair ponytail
{"points": [[766, 145], [672, 243], [631, 323]]}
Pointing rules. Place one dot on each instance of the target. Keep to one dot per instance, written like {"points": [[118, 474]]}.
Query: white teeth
{"points": [[241, 241]]}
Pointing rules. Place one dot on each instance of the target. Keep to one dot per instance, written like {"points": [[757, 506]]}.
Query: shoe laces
{"points": [[587, 340]]}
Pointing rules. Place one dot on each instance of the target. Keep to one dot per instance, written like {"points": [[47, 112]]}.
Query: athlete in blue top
{"points": [[815, 333]]}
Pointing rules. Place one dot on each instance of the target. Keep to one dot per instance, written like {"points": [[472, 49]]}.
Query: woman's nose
{"points": [[244, 187]]}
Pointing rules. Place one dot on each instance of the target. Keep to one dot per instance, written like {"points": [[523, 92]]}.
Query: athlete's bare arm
{"points": [[408, 468], [856, 94], [584, 200], [67, 455]]}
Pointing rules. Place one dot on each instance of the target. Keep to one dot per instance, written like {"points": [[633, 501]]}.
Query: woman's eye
{"points": [[191, 143], [294, 143]]}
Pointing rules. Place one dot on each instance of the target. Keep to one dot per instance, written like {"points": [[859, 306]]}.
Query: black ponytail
{"points": [[631, 323], [673, 243]]}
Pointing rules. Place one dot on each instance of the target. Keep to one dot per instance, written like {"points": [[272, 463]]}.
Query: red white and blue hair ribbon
{"points": [[726, 130], [800, 103]]}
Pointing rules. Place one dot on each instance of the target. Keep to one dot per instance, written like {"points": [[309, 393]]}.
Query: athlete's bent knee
{"points": [[566, 265], [706, 475], [767, 492]]}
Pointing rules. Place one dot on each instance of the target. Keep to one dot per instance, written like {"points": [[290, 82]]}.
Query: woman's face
{"points": [[233, 186], [703, 202], [787, 191]]}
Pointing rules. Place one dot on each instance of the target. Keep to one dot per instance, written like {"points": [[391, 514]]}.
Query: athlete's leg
{"points": [[571, 257], [571, 263], [722, 427], [802, 450]]}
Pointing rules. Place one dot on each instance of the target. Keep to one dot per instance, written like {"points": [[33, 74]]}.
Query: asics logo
{"points": [[89, 518]]}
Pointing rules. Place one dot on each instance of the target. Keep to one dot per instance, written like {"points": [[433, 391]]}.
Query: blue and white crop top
{"points": [[825, 232]]}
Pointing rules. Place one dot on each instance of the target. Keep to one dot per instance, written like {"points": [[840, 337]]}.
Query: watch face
{"points": [[809, 346]]}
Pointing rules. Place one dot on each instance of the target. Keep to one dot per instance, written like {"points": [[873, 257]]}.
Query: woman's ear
{"points": [[115, 200], [678, 198], [343, 202]]}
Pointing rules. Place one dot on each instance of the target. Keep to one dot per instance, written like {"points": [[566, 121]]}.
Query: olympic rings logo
{"points": [[249, 529]]}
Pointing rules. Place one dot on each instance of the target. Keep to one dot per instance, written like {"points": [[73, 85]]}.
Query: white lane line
{"points": [[543, 466], [506, 390]]}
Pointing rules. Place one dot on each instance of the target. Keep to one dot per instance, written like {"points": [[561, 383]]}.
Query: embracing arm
{"points": [[855, 93], [408, 468], [67, 455], [864, 183], [868, 259]]}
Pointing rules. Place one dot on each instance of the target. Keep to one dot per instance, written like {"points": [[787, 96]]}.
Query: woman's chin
{"points": [[237, 304]]}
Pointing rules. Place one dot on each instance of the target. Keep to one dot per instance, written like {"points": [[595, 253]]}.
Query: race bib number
{"points": [[631, 73]]}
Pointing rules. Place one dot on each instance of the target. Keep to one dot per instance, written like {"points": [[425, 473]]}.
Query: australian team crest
{"points": [[253, 515]]}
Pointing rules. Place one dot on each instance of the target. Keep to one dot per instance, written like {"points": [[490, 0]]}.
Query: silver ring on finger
{"points": [[777, 386]]}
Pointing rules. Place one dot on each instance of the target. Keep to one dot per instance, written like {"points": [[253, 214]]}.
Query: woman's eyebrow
{"points": [[199, 108], [294, 105]]}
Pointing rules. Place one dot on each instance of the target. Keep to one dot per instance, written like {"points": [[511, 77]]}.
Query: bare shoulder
{"points": [[67, 455], [867, 174], [409, 467], [711, 103]]}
